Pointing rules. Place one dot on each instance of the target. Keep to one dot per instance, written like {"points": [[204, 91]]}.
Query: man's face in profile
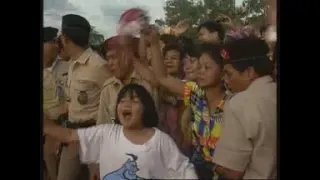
{"points": [[50, 52]]}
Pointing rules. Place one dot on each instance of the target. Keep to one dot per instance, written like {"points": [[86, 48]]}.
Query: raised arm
{"points": [[172, 84]]}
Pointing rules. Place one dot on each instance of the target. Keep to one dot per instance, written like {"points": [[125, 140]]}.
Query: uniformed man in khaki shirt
{"points": [[86, 74], [124, 73], [247, 146], [51, 104]]}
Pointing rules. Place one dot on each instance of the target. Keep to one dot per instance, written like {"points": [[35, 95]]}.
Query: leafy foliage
{"points": [[197, 11]]}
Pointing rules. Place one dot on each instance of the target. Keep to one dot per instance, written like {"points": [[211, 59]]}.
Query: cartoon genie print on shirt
{"points": [[126, 172]]}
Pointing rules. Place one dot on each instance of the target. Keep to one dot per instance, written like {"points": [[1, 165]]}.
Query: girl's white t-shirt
{"points": [[119, 158]]}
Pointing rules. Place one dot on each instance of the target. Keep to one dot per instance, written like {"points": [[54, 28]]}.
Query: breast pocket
{"points": [[83, 91]]}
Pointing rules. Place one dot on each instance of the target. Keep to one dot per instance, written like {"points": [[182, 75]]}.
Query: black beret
{"points": [[73, 21], [49, 34], [244, 49]]}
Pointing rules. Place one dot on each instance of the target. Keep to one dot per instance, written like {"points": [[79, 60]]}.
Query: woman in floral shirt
{"points": [[206, 99]]}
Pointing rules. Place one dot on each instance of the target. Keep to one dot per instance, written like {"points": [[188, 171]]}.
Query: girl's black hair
{"points": [[149, 116]]}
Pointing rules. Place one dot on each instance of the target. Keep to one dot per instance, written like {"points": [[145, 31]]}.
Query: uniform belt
{"points": [[85, 124]]}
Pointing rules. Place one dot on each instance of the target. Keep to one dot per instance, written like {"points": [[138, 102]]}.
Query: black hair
{"points": [[250, 52], [79, 37], [188, 46], [213, 26], [149, 116], [214, 52], [192, 51], [185, 41], [176, 47], [168, 39], [262, 65]]}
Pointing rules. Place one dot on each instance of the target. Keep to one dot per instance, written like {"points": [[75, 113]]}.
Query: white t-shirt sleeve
{"points": [[177, 165], [91, 140]]}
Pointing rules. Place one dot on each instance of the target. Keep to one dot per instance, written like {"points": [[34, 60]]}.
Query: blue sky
{"points": [[103, 14]]}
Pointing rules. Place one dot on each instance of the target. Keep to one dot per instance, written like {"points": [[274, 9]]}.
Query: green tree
{"points": [[176, 10], [95, 37], [196, 11], [199, 11]]}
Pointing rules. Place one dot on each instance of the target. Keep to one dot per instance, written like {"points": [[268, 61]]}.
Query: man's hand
{"points": [[181, 27]]}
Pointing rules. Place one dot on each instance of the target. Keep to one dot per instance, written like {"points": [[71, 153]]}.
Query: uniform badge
{"points": [[83, 97]]}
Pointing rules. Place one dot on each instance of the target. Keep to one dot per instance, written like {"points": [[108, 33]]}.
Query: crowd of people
{"points": [[159, 106]]}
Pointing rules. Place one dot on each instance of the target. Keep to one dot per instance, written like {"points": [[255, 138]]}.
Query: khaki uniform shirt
{"points": [[86, 76], [109, 95], [249, 133], [51, 103], [59, 71]]}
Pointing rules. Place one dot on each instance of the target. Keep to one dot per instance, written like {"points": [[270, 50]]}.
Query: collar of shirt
{"points": [[84, 56], [261, 81], [53, 65]]}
